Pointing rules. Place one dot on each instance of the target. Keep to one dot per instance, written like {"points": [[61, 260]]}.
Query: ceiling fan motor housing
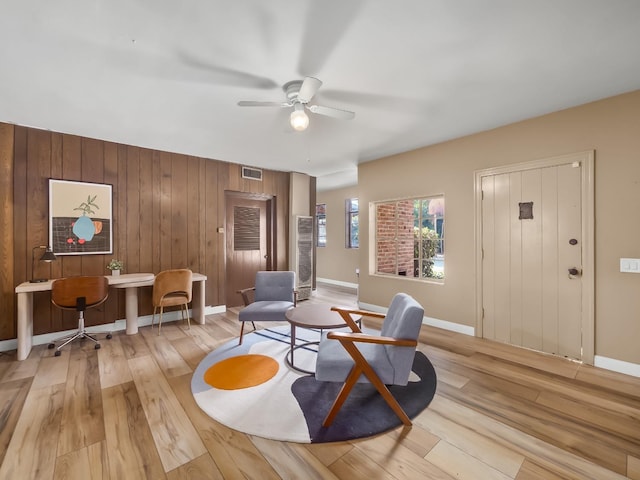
{"points": [[292, 89]]}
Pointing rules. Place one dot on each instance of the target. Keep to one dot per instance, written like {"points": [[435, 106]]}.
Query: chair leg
{"points": [[241, 332], [79, 334], [391, 400], [160, 321], [186, 314], [342, 396], [375, 381]]}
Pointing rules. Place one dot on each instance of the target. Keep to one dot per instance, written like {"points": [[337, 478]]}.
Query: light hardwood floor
{"points": [[126, 412]]}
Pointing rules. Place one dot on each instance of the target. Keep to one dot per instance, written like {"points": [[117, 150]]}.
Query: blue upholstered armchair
{"points": [[273, 294], [382, 360]]}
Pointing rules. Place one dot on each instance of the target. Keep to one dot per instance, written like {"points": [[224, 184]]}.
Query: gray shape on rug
{"points": [[365, 412]]}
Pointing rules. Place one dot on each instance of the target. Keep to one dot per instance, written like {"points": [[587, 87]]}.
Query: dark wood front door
{"points": [[248, 241]]}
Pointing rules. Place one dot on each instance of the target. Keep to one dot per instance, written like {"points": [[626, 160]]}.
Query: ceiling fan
{"points": [[299, 93]]}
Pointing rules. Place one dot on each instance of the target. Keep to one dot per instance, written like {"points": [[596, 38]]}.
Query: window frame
{"points": [[399, 242], [321, 217], [351, 223]]}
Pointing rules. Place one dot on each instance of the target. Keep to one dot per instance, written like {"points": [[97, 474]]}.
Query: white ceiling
{"points": [[167, 74]]}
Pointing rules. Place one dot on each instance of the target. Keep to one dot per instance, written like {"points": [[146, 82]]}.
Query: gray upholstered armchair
{"points": [[273, 294], [382, 360]]}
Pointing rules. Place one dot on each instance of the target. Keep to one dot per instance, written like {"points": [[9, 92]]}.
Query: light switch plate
{"points": [[630, 265]]}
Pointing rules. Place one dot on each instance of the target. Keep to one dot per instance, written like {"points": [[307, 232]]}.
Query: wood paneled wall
{"points": [[7, 211], [166, 212]]}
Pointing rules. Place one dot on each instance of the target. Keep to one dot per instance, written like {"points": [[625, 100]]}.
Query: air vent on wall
{"points": [[252, 173]]}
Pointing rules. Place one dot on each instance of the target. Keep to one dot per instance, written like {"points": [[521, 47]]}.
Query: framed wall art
{"points": [[80, 217]]}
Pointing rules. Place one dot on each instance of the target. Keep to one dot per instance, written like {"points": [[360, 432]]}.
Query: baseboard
{"points": [[339, 283], [372, 308], [432, 322], [612, 364], [606, 363], [451, 326], [118, 325], [619, 366]]}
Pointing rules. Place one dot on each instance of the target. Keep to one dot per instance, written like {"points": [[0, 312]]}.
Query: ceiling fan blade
{"points": [[308, 89], [226, 76], [389, 102], [332, 112], [326, 24], [251, 103]]}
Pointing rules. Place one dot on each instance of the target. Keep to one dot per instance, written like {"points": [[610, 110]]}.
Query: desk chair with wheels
{"points": [[78, 293]]}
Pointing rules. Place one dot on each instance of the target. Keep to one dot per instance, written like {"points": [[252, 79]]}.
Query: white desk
{"points": [[131, 298], [129, 281]]}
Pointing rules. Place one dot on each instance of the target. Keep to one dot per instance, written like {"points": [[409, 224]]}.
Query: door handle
{"points": [[573, 271]]}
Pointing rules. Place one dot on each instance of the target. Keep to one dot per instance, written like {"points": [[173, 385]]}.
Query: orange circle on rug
{"points": [[243, 371]]}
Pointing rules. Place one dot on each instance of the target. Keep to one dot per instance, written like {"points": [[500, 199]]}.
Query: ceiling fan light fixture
{"points": [[299, 119], [299, 94]]}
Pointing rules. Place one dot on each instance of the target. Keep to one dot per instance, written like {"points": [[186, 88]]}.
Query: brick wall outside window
{"points": [[405, 230]]}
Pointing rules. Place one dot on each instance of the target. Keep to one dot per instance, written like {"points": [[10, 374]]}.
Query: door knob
{"points": [[574, 271]]}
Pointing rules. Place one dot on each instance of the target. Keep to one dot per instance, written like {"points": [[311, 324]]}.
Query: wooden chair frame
{"points": [[349, 341], [247, 301]]}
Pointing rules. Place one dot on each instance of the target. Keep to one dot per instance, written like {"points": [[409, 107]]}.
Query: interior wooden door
{"points": [[532, 246], [248, 242]]}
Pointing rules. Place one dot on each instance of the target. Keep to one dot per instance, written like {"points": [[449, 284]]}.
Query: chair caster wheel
{"points": [[57, 354], [109, 336], [51, 345]]}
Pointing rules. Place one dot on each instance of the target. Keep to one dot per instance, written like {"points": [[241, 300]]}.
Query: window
{"points": [[352, 223], [321, 225], [410, 237]]}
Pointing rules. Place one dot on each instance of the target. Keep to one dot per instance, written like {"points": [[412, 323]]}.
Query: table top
{"points": [[317, 315], [196, 277], [112, 279], [123, 280]]}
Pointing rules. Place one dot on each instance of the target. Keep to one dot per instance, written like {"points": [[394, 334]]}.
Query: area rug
{"points": [[250, 388]]}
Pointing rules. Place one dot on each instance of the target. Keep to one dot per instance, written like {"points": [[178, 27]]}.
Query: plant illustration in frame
{"points": [[80, 218]]}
